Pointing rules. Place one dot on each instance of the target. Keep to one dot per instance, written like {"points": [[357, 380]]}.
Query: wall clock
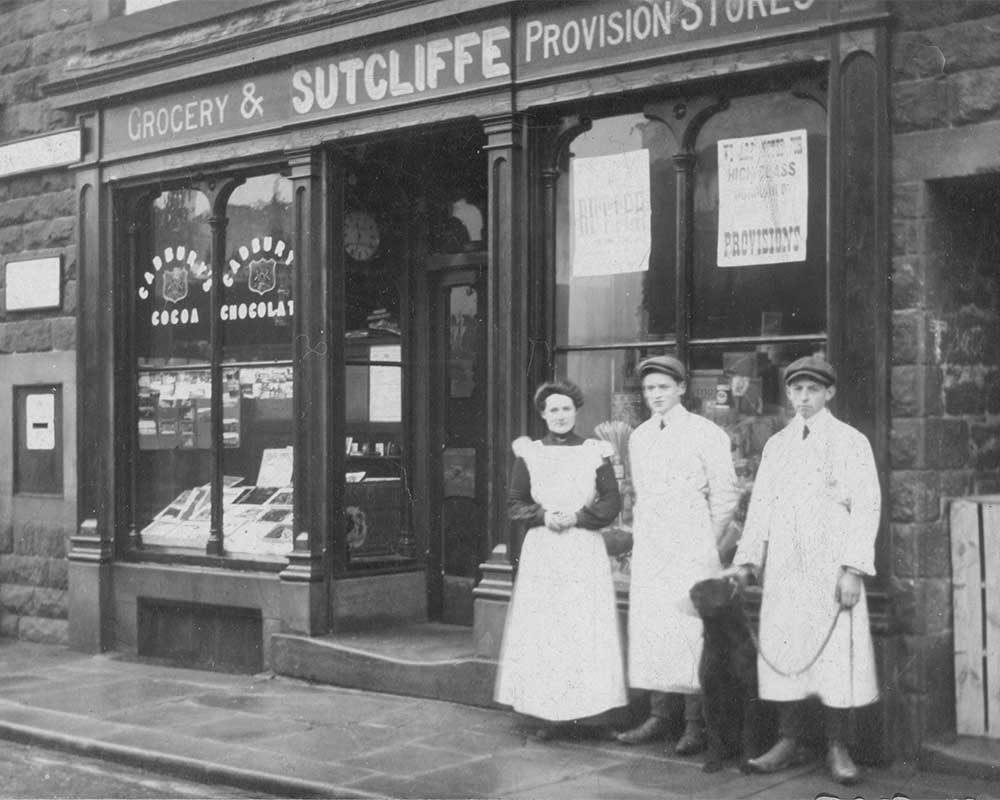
{"points": [[361, 235]]}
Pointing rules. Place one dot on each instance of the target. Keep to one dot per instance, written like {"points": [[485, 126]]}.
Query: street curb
{"points": [[179, 766]]}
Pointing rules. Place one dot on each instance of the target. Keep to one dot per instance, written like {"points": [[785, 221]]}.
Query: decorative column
{"points": [[129, 410], [507, 360], [91, 622], [218, 223], [318, 466], [218, 197]]}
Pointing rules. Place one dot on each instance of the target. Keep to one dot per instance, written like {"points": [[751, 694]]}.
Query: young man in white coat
{"points": [[686, 495], [810, 535]]}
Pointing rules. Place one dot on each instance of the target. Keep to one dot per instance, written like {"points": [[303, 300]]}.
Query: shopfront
{"points": [[322, 267]]}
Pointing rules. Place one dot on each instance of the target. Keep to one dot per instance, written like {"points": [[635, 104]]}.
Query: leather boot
{"points": [[653, 728], [785, 753], [842, 767], [693, 739]]}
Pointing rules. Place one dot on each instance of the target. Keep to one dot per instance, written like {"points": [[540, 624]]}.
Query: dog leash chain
{"points": [[813, 660]]}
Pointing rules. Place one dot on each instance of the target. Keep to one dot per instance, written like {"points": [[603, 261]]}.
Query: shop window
{"points": [[172, 333], [744, 264]]}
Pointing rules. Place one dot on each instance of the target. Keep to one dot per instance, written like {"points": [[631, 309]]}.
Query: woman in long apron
{"points": [[561, 658]]}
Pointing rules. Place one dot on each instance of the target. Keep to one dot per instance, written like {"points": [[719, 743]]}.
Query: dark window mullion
{"points": [[684, 164], [218, 222]]}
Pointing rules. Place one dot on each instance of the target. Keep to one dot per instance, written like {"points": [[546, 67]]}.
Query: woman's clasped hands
{"points": [[560, 520]]}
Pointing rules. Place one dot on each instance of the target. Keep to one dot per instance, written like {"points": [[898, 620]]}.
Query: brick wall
{"points": [[946, 329], [37, 213]]}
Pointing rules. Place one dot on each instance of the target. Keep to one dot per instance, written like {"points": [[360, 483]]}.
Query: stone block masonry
{"points": [[37, 218], [945, 400]]}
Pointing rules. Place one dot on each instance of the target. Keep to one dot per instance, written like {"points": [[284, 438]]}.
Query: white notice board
{"points": [[610, 213], [763, 199]]}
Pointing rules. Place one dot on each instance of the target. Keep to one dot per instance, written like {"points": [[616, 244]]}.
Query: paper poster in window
{"points": [[276, 465], [385, 395], [763, 199], [610, 214]]}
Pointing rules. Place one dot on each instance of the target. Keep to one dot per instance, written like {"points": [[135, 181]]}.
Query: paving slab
{"points": [[292, 738]]}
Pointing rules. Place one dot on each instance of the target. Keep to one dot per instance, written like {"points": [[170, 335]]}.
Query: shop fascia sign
{"points": [[560, 40]]}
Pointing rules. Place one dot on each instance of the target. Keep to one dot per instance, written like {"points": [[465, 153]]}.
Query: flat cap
{"points": [[668, 365], [815, 367]]}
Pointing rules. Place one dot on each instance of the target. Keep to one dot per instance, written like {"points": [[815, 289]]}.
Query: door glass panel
{"points": [[615, 234], [373, 494], [773, 213], [463, 426], [462, 409]]}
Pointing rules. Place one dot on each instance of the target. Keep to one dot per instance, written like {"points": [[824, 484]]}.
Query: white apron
{"points": [[674, 545], [561, 657], [816, 502]]}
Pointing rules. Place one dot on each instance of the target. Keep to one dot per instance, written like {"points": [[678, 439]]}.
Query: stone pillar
{"points": [[507, 359], [91, 620], [316, 346]]}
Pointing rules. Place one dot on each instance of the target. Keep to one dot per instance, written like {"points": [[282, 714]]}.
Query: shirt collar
{"points": [[817, 423], [672, 415]]}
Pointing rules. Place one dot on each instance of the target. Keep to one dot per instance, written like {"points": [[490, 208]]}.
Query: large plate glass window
{"points": [[172, 336]]}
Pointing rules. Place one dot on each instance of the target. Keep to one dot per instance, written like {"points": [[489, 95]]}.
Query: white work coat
{"points": [[686, 494], [815, 509]]}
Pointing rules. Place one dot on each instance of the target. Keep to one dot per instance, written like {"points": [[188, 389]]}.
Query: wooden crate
{"points": [[975, 568]]}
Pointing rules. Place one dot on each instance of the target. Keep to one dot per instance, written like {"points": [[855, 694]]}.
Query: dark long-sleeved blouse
{"points": [[606, 505]]}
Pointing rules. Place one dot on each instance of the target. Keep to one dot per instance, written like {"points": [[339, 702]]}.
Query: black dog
{"points": [[735, 719]]}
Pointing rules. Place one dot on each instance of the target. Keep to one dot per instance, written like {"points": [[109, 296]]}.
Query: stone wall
{"points": [[37, 217], [945, 400]]}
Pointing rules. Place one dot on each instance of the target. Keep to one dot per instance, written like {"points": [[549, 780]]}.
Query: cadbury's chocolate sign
{"points": [[561, 40]]}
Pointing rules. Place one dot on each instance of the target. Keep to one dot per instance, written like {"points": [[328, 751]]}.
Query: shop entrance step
{"points": [[430, 660]]}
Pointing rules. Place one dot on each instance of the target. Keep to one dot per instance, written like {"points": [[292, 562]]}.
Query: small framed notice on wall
{"points": [[33, 284]]}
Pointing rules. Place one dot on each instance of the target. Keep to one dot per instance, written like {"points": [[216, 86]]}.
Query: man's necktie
{"points": [[805, 431], [663, 423]]}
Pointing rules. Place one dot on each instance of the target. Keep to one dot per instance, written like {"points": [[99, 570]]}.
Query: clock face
{"points": [[361, 235]]}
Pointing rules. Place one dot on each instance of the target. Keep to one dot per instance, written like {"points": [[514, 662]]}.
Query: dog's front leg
{"points": [[715, 722]]}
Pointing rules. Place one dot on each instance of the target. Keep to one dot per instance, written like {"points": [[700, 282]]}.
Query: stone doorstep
{"points": [[428, 660], [969, 756]]}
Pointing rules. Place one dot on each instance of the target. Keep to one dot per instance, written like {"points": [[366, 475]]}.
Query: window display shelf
{"points": [[257, 520]]}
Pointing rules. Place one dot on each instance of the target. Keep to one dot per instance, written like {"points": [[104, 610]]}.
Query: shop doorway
{"points": [[457, 400]]}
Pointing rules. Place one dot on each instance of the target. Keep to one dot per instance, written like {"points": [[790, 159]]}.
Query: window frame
{"points": [[133, 203], [689, 112]]}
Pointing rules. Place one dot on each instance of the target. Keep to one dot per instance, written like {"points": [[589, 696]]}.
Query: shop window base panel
{"points": [[210, 637]]}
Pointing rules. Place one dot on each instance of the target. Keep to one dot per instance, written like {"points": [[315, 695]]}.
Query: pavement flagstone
{"points": [[291, 738]]}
